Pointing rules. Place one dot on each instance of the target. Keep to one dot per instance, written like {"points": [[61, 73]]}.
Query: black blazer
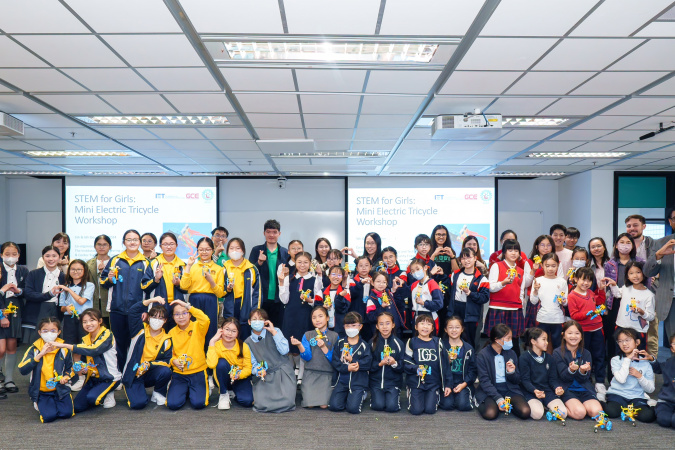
{"points": [[33, 295], [21, 275], [264, 270]]}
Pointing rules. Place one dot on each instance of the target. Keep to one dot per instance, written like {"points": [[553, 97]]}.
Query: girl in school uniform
{"points": [[148, 364], [543, 246], [428, 370], [316, 349], [60, 241], [42, 290], [633, 378], [75, 297], [204, 280], [423, 247], [386, 369], [499, 376], [472, 243], [469, 291], [333, 259], [426, 295], [45, 362], [274, 385], [124, 276], [96, 265], [539, 375], [637, 302], [102, 375], [549, 295], [665, 408], [360, 292], [12, 284], [441, 250], [400, 278], [148, 245], [163, 274], [288, 270], [383, 299], [507, 284], [573, 363], [243, 291], [462, 363], [189, 380], [230, 359], [336, 298]]}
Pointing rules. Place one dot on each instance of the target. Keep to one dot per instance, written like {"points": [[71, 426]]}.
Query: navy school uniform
{"points": [[379, 302], [665, 408], [470, 312], [14, 329], [159, 373], [431, 294], [463, 369], [54, 403], [350, 388], [385, 381], [403, 295], [487, 375], [337, 305], [298, 313], [542, 376], [241, 307], [358, 304], [424, 391], [37, 303], [576, 385]]}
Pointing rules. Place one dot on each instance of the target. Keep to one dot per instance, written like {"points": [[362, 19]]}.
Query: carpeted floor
{"points": [[156, 427]]}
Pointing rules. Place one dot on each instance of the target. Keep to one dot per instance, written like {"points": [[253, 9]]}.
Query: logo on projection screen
{"points": [[486, 196], [207, 195]]}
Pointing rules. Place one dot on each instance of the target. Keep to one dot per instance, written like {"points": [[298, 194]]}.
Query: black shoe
{"points": [[2, 389], [11, 387], [3, 396], [2, 376]]}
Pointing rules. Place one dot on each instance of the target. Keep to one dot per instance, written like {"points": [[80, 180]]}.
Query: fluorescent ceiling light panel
{"points": [[332, 155], [577, 155], [29, 172], [533, 121], [229, 174], [155, 120], [60, 154], [528, 174]]}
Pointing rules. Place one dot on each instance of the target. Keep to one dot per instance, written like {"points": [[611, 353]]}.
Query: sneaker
{"points": [[77, 386], [224, 401], [231, 394], [158, 398], [601, 391], [211, 384], [109, 401]]}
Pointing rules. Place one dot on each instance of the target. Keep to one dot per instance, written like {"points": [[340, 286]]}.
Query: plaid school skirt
{"points": [[512, 318], [531, 312]]}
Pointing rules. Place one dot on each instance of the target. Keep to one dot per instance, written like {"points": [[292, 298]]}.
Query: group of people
{"points": [[258, 329]]}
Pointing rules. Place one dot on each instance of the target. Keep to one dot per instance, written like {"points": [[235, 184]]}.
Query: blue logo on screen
{"points": [[486, 196], [207, 195]]}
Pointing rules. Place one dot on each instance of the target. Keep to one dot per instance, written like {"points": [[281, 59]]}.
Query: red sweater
{"points": [[579, 305], [509, 295]]}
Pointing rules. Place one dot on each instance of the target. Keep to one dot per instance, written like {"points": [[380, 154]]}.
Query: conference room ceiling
{"points": [[316, 87]]}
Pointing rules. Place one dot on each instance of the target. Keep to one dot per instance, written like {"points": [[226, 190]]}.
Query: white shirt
{"points": [[565, 257], [627, 318], [496, 285], [11, 279], [284, 292], [51, 281], [550, 311], [460, 295]]}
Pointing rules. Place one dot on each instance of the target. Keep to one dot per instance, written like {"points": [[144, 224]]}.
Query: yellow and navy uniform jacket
{"points": [[102, 352], [155, 350], [165, 287], [195, 283], [128, 291], [59, 361], [218, 352], [190, 342], [247, 291]]}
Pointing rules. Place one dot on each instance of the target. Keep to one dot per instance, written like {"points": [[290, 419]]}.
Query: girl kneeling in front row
{"points": [[462, 358], [386, 370]]}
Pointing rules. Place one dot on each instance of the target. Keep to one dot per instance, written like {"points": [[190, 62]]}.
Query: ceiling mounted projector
{"points": [[467, 126], [654, 133]]}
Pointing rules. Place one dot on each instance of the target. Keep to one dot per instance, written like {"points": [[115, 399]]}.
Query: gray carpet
{"points": [[155, 427]]}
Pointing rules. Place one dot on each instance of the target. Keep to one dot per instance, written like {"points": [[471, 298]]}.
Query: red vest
{"points": [[509, 295]]}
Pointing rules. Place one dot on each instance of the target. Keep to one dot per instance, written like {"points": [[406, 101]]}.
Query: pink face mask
{"points": [[624, 249]]}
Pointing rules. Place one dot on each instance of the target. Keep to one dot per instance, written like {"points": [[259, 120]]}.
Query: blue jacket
{"points": [[127, 292], [34, 297], [264, 270], [63, 365], [149, 284], [386, 377], [361, 354], [252, 296], [138, 329], [562, 362], [667, 393], [478, 296], [487, 374], [412, 362], [467, 355], [103, 353]]}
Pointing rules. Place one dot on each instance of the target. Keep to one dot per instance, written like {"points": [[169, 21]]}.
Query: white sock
{"points": [[10, 364]]}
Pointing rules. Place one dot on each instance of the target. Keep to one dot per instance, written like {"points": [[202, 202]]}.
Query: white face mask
{"points": [[352, 332], [155, 324], [49, 336], [235, 255], [418, 274], [578, 263], [257, 325], [10, 260]]}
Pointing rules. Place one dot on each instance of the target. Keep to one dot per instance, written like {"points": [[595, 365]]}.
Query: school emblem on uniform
{"points": [[190, 333]]}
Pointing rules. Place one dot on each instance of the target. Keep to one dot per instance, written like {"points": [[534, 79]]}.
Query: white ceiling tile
{"points": [[514, 106], [378, 133], [15, 104], [330, 80], [577, 106], [586, 54], [509, 146], [13, 55], [504, 53], [658, 29], [78, 104], [38, 16], [329, 133], [146, 144], [180, 79], [275, 120], [71, 50], [428, 17], [456, 105], [280, 133], [644, 106], [335, 104], [407, 82], [649, 57], [226, 133], [607, 122], [200, 103], [155, 50], [194, 147], [176, 133], [535, 18], [98, 144], [619, 17], [665, 88], [626, 136], [139, 103], [126, 133], [44, 120], [386, 104], [527, 135], [478, 82], [556, 146], [330, 120], [326, 17], [652, 123], [259, 79], [581, 135], [80, 133], [538, 83], [54, 144], [332, 145], [622, 83], [384, 120], [373, 145], [269, 103], [232, 16], [108, 79], [597, 146], [148, 16], [43, 80], [11, 144], [236, 145]]}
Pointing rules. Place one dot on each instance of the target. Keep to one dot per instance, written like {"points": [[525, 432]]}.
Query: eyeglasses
{"points": [[624, 341], [220, 236], [454, 328], [204, 250], [76, 270], [441, 234], [131, 241], [102, 244], [168, 244], [336, 275], [148, 242], [183, 314]]}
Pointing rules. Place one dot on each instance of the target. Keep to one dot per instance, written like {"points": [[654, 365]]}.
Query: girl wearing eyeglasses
{"points": [[124, 274]]}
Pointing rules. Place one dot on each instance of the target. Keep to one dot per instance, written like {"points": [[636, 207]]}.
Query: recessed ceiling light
{"points": [[429, 173], [533, 121], [348, 51], [155, 120], [29, 172], [528, 174], [332, 155], [229, 174], [126, 173], [577, 155], [54, 154]]}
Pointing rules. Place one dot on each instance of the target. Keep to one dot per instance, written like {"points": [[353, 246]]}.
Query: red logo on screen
{"points": [[471, 197], [194, 195]]}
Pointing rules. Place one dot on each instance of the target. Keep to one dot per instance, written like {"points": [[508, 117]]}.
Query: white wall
{"points": [[3, 212]]}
